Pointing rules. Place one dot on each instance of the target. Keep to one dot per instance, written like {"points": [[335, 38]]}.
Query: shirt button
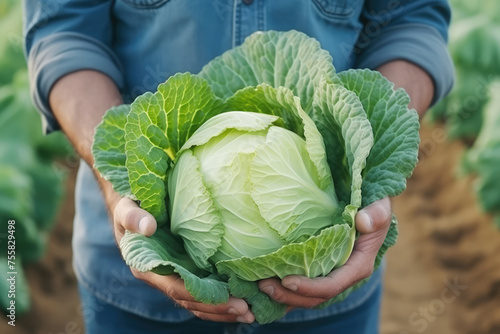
{"points": [[247, 2]]}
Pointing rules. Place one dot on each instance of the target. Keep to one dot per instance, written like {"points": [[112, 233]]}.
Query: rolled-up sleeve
{"points": [[62, 37], [416, 31]]}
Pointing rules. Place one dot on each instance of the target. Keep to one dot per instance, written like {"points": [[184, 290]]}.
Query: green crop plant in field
{"points": [[31, 187], [472, 109]]}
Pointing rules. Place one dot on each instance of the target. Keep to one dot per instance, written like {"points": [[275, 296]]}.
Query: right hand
{"points": [[128, 216]]}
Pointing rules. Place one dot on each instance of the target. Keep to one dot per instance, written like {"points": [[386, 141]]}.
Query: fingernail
{"points": [[365, 218], [290, 283], [143, 225], [245, 318], [269, 290], [232, 310]]}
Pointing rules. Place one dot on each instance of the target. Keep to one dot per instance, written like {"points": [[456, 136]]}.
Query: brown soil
{"points": [[445, 240], [443, 276]]}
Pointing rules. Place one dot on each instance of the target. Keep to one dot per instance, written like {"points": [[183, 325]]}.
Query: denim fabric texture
{"points": [[140, 43], [102, 318]]}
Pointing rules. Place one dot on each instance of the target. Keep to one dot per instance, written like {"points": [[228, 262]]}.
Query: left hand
{"points": [[299, 291]]}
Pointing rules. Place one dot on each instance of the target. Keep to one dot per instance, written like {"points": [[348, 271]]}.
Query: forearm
{"points": [[78, 101], [417, 83]]}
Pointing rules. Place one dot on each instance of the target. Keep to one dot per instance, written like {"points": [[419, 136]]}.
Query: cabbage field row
{"points": [[472, 110], [31, 184]]}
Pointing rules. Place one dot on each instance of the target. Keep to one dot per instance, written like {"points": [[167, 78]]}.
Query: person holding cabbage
{"points": [[86, 57]]}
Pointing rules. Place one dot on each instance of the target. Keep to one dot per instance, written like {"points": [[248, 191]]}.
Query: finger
{"points": [[128, 216], [325, 288], [274, 289], [234, 306], [173, 286], [358, 267], [374, 222], [170, 285], [374, 217], [224, 317]]}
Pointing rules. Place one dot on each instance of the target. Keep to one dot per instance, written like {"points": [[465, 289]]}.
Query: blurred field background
{"points": [[443, 275]]}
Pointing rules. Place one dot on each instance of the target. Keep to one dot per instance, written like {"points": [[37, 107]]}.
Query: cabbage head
{"points": [[256, 167]]}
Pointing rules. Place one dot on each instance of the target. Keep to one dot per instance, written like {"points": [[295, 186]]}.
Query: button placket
{"points": [[249, 19]]}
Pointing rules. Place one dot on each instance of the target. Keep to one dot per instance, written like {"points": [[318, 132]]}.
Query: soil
{"points": [[443, 275]]}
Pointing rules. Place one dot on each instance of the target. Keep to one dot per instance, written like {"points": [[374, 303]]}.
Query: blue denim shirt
{"points": [[140, 43]]}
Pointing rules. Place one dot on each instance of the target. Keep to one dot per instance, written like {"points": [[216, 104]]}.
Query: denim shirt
{"points": [[140, 43]]}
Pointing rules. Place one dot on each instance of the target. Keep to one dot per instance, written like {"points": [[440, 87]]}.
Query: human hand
{"points": [[299, 291], [128, 216]]}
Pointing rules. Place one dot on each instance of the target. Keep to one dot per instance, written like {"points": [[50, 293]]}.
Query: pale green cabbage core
{"points": [[265, 189]]}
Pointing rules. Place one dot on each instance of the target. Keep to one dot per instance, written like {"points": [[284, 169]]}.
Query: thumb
{"points": [[128, 216], [374, 217]]}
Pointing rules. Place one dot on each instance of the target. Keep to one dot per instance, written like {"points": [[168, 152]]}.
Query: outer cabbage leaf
{"points": [[375, 105], [108, 149], [314, 257], [157, 126], [264, 308], [281, 59], [395, 128], [394, 152], [390, 240], [348, 138], [165, 255]]}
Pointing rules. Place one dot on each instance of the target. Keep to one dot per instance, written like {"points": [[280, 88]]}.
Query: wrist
{"points": [[112, 200], [417, 83], [79, 101], [111, 197]]}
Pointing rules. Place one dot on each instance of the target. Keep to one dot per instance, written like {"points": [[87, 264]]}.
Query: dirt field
{"points": [[444, 273], [442, 277]]}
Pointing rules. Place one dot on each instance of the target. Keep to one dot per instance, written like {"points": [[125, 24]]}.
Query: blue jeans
{"points": [[103, 318]]}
